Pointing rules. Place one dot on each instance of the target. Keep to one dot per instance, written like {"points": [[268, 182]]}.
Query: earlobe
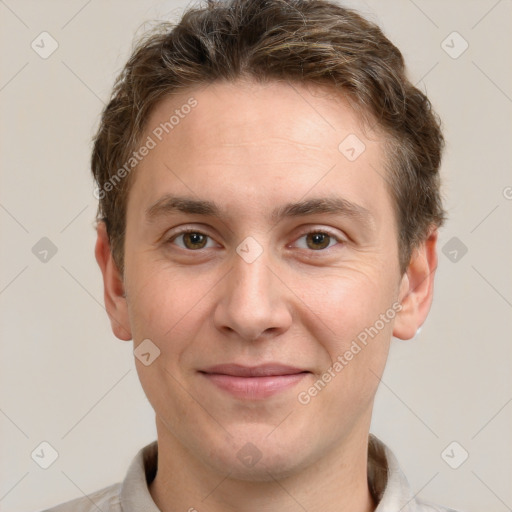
{"points": [[417, 288], [113, 286]]}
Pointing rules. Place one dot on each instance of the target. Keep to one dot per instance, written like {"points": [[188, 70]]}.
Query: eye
{"points": [[317, 240], [192, 240]]}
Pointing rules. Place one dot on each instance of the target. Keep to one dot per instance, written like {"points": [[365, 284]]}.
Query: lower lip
{"points": [[254, 387]]}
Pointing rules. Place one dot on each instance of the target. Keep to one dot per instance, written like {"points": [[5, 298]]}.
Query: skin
{"points": [[251, 148]]}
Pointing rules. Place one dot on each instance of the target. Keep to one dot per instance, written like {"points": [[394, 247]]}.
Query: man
{"points": [[269, 202]]}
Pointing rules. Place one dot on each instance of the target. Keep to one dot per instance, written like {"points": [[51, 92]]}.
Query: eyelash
{"points": [[305, 234]]}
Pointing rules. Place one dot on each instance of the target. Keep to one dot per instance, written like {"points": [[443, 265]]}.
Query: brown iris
{"points": [[318, 240], [194, 240]]}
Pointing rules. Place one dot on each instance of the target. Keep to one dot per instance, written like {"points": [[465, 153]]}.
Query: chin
{"points": [[259, 458]]}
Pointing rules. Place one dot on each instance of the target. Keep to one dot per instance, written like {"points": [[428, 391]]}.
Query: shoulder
{"points": [[132, 490], [106, 499]]}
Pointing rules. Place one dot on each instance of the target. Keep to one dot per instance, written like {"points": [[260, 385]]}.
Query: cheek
{"points": [[168, 307], [166, 304], [360, 315], [347, 302], [353, 323]]}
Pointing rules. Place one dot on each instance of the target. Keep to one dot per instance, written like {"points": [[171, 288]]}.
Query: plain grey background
{"points": [[67, 381]]}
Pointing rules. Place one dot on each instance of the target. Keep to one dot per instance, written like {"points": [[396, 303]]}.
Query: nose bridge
{"points": [[252, 303], [252, 277], [252, 294]]}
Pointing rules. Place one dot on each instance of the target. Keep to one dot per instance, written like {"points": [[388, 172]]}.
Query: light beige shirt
{"points": [[387, 484]]}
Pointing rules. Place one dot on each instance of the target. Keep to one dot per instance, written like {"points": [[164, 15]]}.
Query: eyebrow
{"points": [[169, 204], [332, 205]]}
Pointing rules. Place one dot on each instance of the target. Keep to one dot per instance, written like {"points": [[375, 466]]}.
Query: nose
{"points": [[253, 302]]}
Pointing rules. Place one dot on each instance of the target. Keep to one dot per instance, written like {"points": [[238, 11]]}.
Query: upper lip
{"points": [[264, 370]]}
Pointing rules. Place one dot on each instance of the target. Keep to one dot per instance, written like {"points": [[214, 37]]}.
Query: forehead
{"points": [[244, 137], [249, 113]]}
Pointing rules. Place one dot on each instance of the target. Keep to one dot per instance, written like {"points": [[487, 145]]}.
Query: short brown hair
{"points": [[300, 41]]}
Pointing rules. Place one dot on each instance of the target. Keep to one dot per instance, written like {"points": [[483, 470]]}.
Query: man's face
{"points": [[249, 288]]}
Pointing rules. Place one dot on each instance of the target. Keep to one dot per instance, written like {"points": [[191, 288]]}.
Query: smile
{"points": [[254, 383]]}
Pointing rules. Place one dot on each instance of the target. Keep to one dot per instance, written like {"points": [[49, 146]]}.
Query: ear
{"points": [[417, 288], [115, 301]]}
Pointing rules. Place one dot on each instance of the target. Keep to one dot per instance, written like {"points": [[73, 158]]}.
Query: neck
{"points": [[336, 483]]}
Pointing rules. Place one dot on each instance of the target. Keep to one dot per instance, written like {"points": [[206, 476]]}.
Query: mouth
{"points": [[253, 382]]}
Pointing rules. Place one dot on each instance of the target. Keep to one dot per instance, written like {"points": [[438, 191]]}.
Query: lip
{"points": [[253, 382]]}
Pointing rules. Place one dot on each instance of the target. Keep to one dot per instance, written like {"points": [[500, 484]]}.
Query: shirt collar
{"points": [[386, 480], [135, 495]]}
